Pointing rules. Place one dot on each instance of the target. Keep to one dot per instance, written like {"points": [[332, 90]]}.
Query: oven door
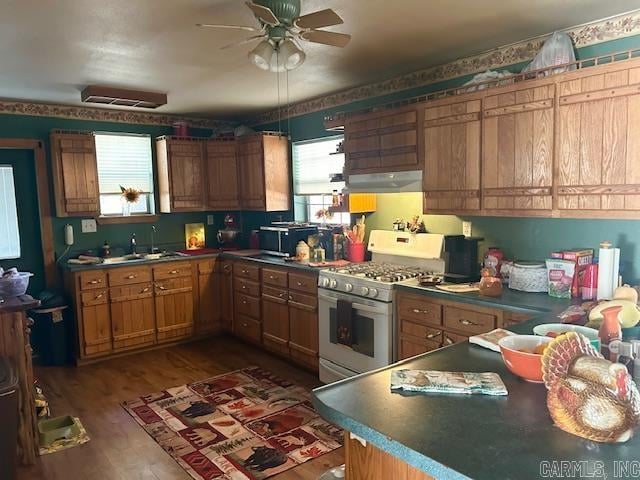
{"points": [[372, 323]]}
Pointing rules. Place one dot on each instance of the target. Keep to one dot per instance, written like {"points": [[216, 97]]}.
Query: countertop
{"points": [[458, 436]]}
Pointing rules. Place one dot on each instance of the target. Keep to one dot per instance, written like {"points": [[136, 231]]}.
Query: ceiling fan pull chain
{"points": [[288, 107], [278, 80]]}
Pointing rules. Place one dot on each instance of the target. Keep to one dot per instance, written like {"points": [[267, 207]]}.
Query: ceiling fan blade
{"points": [[327, 38], [236, 27], [319, 19], [242, 42], [263, 13]]}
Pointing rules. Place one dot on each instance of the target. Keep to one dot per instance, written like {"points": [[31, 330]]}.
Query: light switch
{"points": [[209, 219], [466, 229], [89, 226]]}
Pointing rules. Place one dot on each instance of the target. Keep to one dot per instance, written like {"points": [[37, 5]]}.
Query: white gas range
{"points": [[356, 312]]}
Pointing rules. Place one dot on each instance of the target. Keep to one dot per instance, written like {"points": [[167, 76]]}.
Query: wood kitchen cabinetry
{"points": [[181, 174], [451, 177], [263, 172], [427, 323], [75, 174], [275, 310], [174, 301], [246, 302], [224, 273], [517, 149], [383, 141], [208, 319], [222, 174]]}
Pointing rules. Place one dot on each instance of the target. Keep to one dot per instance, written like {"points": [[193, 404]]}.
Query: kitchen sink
{"points": [[140, 257]]}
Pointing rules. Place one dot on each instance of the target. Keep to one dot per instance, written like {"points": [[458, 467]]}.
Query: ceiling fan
{"points": [[280, 28]]}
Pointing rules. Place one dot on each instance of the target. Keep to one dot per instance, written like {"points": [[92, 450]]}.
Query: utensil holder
{"points": [[355, 252]]}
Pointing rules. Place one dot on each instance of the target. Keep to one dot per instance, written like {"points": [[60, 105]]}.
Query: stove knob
{"points": [[333, 284], [364, 290], [373, 292], [348, 287], [324, 282]]}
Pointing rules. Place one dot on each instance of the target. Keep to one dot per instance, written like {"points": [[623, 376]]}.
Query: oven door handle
{"points": [[356, 306]]}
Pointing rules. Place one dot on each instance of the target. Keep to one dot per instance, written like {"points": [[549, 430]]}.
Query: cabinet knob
{"points": [[464, 321], [95, 282], [245, 325], [173, 272], [245, 272], [244, 287], [244, 302], [131, 277], [301, 284]]}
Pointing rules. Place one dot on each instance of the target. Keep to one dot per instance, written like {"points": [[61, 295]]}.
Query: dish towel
{"points": [[344, 325]]}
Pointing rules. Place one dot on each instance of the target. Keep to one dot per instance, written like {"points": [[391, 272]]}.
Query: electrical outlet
{"points": [[209, 219], [89, 226], [466, 229]]}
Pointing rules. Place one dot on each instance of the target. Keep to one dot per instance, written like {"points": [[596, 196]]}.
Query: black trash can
{"points": [[50, 335], [9, 415]]}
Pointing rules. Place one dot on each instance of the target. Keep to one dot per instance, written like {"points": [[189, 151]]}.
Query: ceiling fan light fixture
{"points": [[292, 56], [262, 55]]}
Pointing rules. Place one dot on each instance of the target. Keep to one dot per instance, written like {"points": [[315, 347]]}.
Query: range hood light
{"points": [[405, 181]]}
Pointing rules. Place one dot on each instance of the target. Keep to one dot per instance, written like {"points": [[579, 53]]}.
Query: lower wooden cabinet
{"points": [[208, 297], [95, 336], [303, 334], [224, 273], [427, 323], [275, 321], [174, 309], [132, 316]]}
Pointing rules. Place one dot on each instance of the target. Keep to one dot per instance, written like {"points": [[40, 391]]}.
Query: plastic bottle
{"points": [[626, 356], [636, 361]]}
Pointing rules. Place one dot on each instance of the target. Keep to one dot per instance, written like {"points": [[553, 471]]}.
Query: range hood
{"points": [[390, 182]]}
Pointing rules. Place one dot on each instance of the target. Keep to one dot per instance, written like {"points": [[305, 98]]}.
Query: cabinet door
{"points": [[251, 171], [222, 174], [96, 323], [275, 321], [303, 334], [452, 158], [132, 316], [598, 164], [224, 270], [517, 158], [75, 174], [181, 175], [209, 295], [412, 346], [174, 308]]}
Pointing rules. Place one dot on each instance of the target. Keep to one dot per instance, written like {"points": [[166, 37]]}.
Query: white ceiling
{"points": [[50, 50]]}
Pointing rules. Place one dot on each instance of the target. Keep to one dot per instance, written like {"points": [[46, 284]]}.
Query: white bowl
{"points": [[560, 328]]}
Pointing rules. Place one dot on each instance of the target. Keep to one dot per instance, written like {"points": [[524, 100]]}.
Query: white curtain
{"points": [[9, 232], [312, 165]]}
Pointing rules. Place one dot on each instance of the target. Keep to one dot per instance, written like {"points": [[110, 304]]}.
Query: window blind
{"points": [[123, 159], [9, 232], [312, 165]]}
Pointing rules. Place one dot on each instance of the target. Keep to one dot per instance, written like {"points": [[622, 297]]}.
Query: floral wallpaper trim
{"points": [[600, 31], [14, 107]]}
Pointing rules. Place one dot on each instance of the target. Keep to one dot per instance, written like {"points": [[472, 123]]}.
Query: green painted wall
{"points": [[524, 238]]}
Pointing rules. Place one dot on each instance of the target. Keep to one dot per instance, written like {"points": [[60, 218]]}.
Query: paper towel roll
{"points": [[608, 269]]}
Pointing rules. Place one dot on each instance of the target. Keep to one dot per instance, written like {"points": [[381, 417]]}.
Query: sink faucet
{"points": [[153, 234], [133, 244]]}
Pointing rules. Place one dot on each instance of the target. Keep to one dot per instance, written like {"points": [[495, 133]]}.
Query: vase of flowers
{"points": [[129, 196]]}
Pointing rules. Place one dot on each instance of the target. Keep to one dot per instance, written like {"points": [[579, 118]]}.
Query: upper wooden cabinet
{"points": [[383, 141], [263, 172], [598, 142], [517, 150], [452, 156], [181, 174], [222, 174], [75, 174]]}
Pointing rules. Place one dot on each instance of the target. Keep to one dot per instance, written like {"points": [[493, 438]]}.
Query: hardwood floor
{"points": [[119, 448]]}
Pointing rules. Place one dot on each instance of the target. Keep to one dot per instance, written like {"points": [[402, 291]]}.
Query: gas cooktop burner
{"points": [[382, 272]]}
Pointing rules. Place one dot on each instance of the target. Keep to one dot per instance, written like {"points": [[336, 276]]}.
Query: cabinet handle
{"points": [[99, 296], [464, 321], [131, 277], [173, 272], [244, 302], [282, 295], [271, 277], [301, 284], [160, 287], [245, 325], [145, 290], [95, 282], [227, 268], [417, 310], [448, 340], [290, 297], [244, 287], [245, 272], [434, 334]]}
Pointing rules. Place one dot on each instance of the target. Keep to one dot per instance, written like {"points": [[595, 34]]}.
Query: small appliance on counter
{"points": [[529, 277], [461, 259], [229, 236], [281, 238]]}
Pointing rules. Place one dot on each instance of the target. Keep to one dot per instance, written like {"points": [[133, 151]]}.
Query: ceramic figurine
{"points": [[589, 396]]}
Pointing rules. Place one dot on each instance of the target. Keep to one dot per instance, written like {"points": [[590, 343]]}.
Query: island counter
{"points": [[421, 436]]}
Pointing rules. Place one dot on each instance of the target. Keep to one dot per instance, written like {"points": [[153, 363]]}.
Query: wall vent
{"points": [[122, 97]]}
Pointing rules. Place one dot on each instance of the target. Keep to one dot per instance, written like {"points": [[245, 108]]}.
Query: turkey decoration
{"points": [[589, 396]]}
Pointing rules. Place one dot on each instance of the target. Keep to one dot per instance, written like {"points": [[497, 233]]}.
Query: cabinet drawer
{"points": [[246, 305], [131, 292], [172, 286], [171, 270], [95, 297], [93, 279], [248, 328], [411, 346], [277, 278], [468, 321], [275, 294], [449, 338], [129, 276], [244, 270], [302, 301], [303, 283], [246, 286], [417, 309], [420, 331]]}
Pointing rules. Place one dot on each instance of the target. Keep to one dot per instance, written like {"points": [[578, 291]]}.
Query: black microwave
{"points": [[281, 240]]}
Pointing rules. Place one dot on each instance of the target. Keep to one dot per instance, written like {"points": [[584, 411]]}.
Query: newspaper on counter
{"points": [[434, 381]]}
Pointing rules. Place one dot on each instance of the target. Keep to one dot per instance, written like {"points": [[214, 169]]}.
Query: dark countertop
{"points": [[509, 300], [270, 260], [458, 436], [132, 263], [18, 304]]}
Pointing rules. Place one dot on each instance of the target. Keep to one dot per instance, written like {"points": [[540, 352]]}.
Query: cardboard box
{"points": [[581, 257]]}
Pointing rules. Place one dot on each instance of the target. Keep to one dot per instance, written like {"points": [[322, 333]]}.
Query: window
{"points": [[124, 160], [9, 233], [313, 164]]}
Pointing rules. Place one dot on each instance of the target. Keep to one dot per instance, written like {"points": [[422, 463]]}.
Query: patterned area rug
{"points": [[247, 424]]}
